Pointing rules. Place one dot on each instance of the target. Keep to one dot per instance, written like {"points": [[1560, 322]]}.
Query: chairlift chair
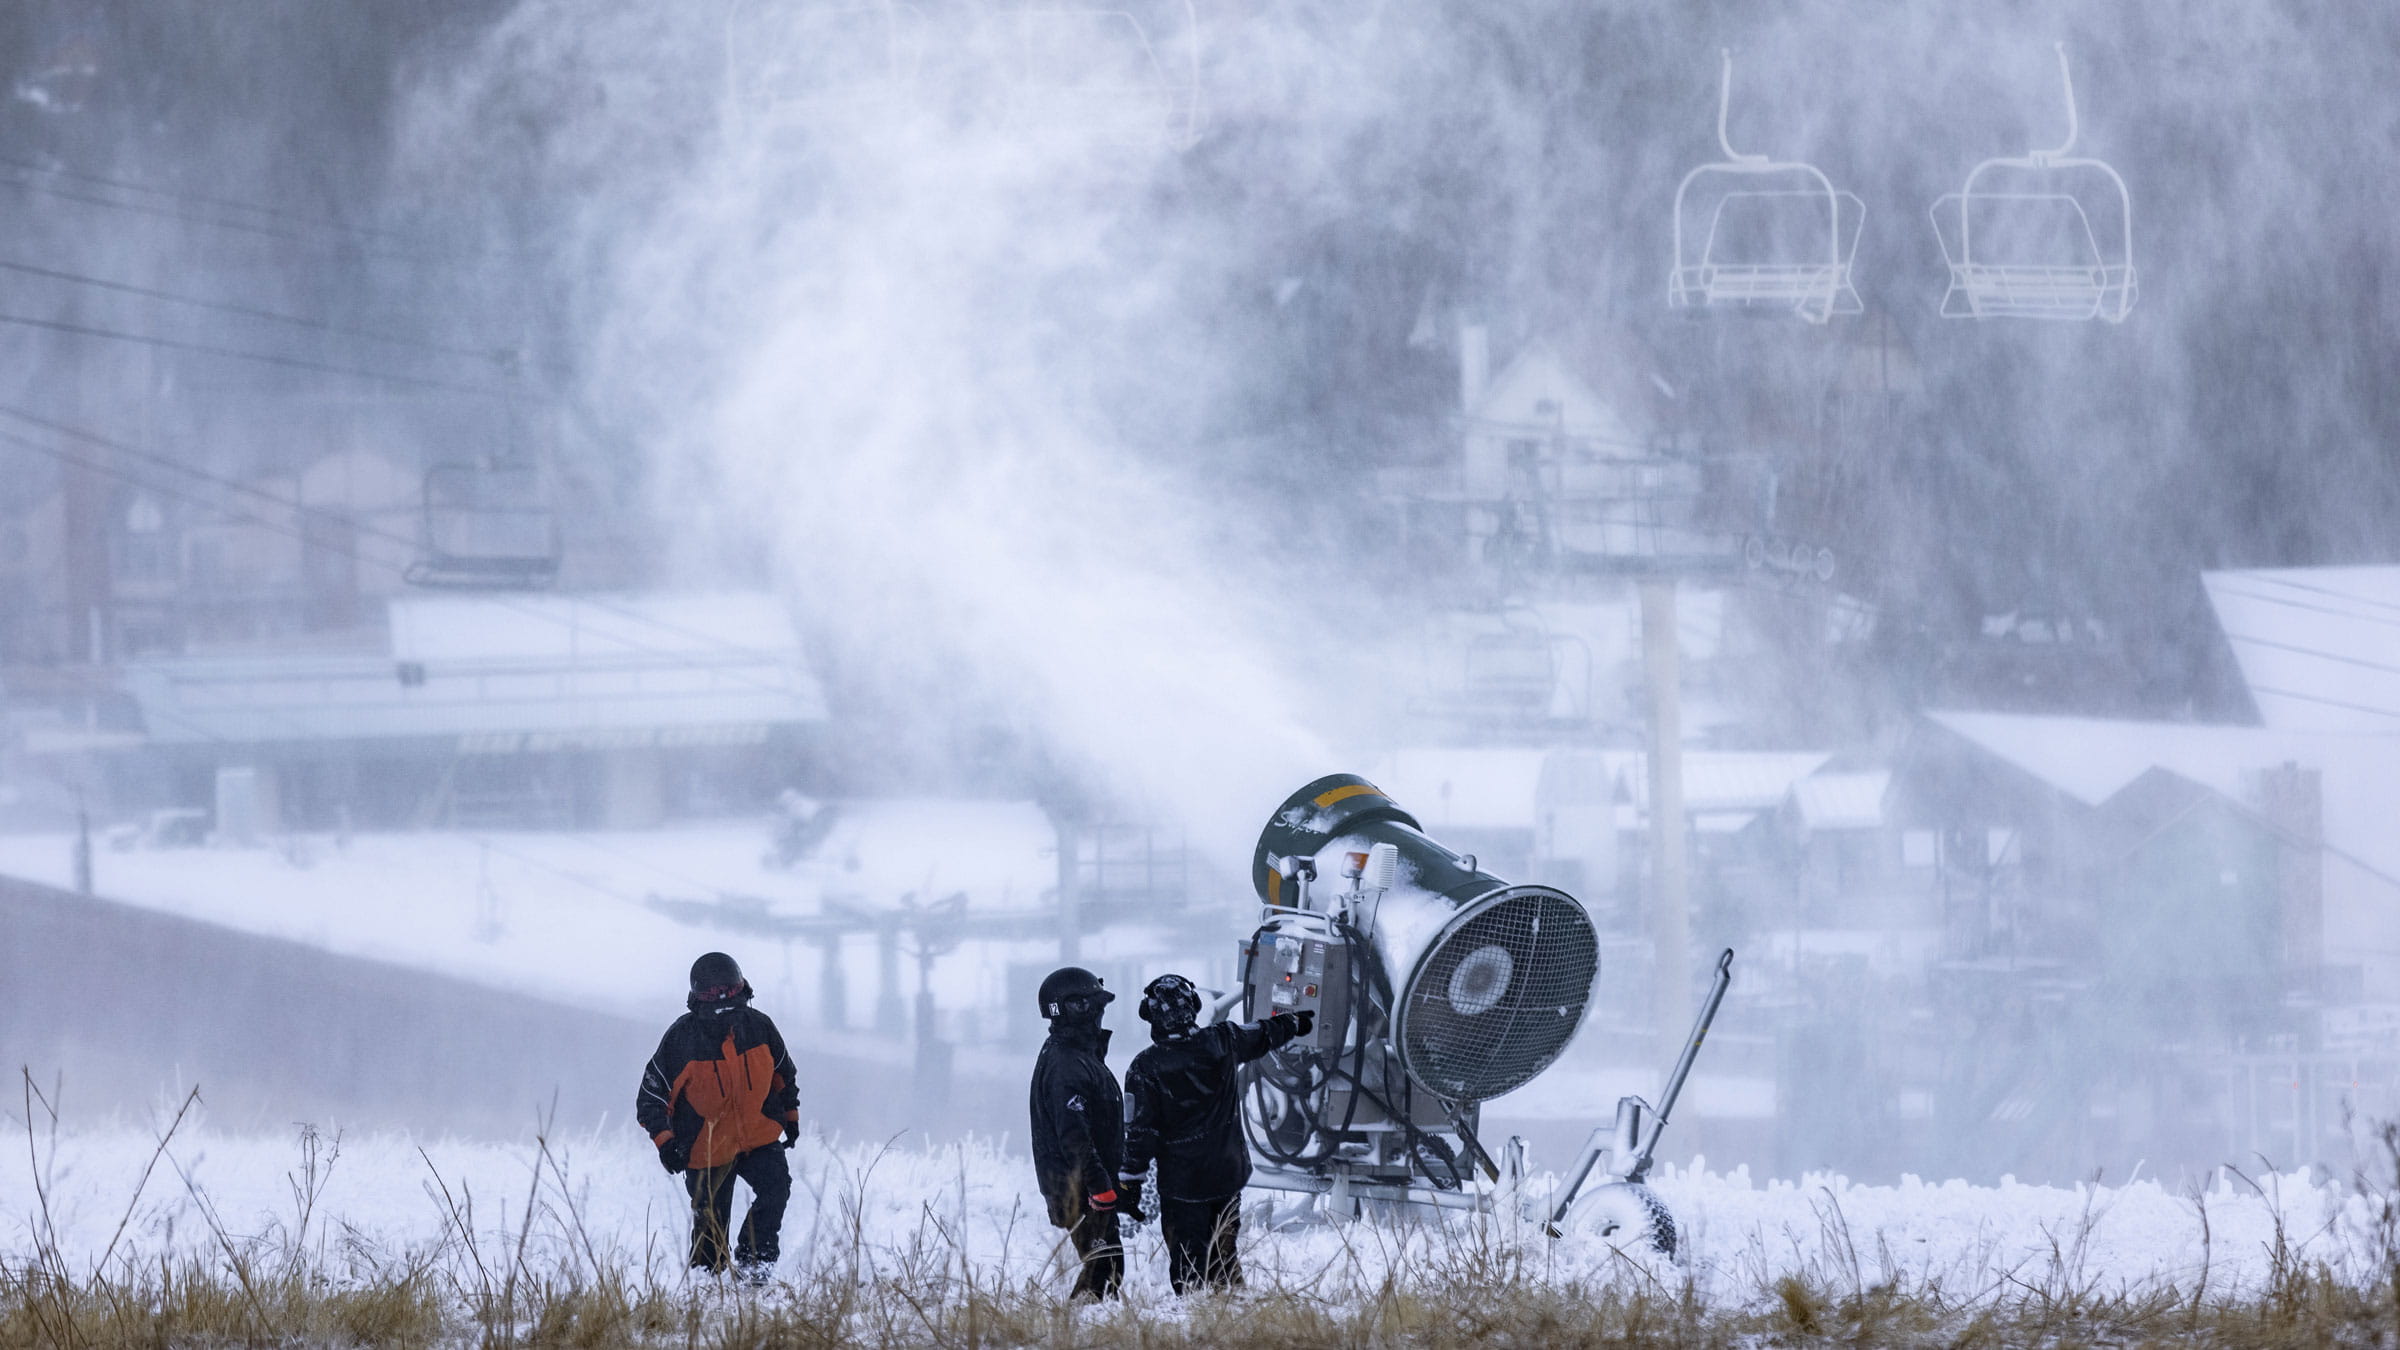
{"points": [[2021, 240], [487, 526], [1757, 233], [1094, 72]]}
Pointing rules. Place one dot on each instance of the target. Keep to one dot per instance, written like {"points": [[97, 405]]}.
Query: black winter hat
{"points": [[1170, 1003], [714, 972]]}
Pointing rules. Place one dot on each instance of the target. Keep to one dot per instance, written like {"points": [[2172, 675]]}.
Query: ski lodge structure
{"points": [[2187, 931], [272, 666]]}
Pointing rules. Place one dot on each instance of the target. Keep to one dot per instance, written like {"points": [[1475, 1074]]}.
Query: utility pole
{"points": [[1670, 920]]}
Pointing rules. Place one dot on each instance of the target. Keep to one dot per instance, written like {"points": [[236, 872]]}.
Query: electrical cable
{"points": [[2313, 609], [394, 246], [494, 354], [263, 358], [708, 640], [2328, 702], [2275, 579], [352, 552], [2319, 653]]}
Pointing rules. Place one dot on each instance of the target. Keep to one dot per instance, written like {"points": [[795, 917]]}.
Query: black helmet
{"points": [[1170, 1003], [1070, 990], [716, 976]]}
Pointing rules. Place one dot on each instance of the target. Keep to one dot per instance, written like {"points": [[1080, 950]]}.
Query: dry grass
{"points": [[1390, 1283]]}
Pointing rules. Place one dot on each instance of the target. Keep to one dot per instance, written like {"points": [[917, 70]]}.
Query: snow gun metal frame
{"points": [[1629, 1142], [1436, 986]]}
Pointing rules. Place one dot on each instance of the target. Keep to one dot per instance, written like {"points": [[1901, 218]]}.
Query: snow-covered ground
{"points": [[567, 915], [604, 1197]]}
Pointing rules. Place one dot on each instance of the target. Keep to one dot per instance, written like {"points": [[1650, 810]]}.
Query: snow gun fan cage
{"points": [[1753, 233], [1436, 986], [2040, 236]]}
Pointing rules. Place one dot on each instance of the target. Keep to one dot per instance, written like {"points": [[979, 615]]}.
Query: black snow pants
{"points": [[1201, 1237], [1101, 1251], [770, 1180]]}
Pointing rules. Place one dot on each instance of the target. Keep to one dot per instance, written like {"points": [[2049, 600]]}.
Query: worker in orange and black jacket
{"points": [[715, 1100]]}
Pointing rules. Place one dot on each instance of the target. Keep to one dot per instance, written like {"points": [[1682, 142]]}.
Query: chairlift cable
{"points": [[327, 230], [2312, 651], [2318, 609], [2320, 590], [363, 530], [263, 358], [161, 212], [2328, 702], [247, 311]]}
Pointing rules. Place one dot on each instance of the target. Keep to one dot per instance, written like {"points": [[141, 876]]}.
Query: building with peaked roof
{"points": [[2190, 932], [2318, 647], [508, 709]]}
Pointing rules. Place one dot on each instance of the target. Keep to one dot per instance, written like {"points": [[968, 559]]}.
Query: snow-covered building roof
{"points": [[2091, 760], [1539, 391], [1726, 780], [505, 673], [1841, 801], [1507, 789], [2319, 647]]}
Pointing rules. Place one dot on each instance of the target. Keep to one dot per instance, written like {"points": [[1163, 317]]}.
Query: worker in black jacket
{"points": [[1183, 1109], [1079, 1127]]}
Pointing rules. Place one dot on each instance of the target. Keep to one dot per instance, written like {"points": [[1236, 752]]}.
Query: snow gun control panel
{"points": [[1289, 972]]}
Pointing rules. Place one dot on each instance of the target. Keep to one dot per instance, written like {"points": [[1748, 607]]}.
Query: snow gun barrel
{"points": [[1484, 981]]}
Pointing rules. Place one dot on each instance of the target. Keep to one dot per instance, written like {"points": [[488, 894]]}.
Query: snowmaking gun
{"points": [[1436, 987]]}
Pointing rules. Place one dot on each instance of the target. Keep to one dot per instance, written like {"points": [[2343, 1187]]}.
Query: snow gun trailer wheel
{"points": [[1626, 1215]]}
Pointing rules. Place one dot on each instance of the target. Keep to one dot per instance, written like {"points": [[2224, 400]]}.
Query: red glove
{"points": [[1102, 1202]]}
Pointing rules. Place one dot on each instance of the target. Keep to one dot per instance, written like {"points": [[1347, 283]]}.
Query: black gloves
{"points": [[791, 1133], [1304, 1021], [674, 1155], [1129, 1199]]}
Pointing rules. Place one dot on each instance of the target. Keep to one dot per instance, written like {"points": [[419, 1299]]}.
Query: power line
{"points": [[163, 213], [247, 311], [205, 199], [361, 529], [2274, 579], [2328, 702], [313, 233], [2312, 651], [216, 737], [263, 358], [2313, 609]]}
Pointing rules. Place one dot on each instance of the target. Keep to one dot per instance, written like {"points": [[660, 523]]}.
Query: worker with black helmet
{"points": [[1183, 1109], [716, 1099], [1079, 1128]]}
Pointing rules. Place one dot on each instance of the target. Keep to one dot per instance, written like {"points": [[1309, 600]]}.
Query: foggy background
{"points": [[1058, 394]]}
